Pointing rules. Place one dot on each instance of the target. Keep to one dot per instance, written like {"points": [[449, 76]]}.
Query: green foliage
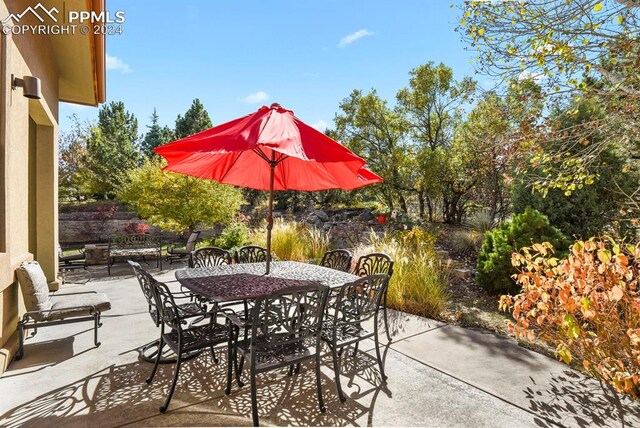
{"points": [[196, 119], [156, 136], [111, 150], [233, 236], [72, 162], [419, 280], [494, 261], [464, 242], [177, 202]]}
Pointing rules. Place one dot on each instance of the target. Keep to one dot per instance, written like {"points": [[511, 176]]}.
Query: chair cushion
{"points": [[35, 288], [76, 305]]}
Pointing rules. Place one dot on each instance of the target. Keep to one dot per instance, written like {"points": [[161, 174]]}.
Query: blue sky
{"points": [[238, 55]]}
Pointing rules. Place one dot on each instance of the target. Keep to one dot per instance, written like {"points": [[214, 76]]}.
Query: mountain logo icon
{"points": [[34, 11]]}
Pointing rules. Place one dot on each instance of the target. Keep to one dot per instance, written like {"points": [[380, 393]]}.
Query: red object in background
{"points": [[270, 150], [382, 219]]}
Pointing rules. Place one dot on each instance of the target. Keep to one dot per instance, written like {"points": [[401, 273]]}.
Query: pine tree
{"points": [[196, 119]]}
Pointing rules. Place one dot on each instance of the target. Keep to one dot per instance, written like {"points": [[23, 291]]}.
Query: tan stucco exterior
{"points": [[29, 151]]}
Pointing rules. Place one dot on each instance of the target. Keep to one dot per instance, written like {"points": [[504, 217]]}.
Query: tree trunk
{"points": [[421, 203]]}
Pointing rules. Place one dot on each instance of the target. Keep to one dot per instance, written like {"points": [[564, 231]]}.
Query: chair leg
{"points": [[377, 342], [20, 353], [386, 321], [239, 368], [254, 399], [355, 349], [173, 385], [336, 369], [319, 383], [230, 356], [96, 324], [158, 355], [213, 356]]}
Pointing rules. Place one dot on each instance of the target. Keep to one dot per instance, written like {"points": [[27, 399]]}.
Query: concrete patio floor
{"points": [[439, 375]]}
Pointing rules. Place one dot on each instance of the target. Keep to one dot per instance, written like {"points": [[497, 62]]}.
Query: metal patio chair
{"points": [[177, 253], [250, 254], [338, 260], [45, 311], [373, 264], [181, 336], [285, 331], [209, 257], [356, 303]]}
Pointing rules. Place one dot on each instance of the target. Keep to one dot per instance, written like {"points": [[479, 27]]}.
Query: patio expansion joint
{"points": [[479, 388]]}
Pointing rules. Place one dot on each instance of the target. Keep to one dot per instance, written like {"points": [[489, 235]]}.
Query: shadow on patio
{"points": [[118, 395]]}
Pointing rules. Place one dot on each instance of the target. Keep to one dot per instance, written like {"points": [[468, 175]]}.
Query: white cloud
{"points": [[321, 125], [347, 40], [115, 63], [256, 97], [526, 75]]}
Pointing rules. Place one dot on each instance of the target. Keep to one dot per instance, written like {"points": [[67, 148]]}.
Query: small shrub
{"points": [[465, 242], [587, 305], [481, 221], [233, 236], [286, 239], [316, 243], [494, 260], [419, 280], [134, 227]]}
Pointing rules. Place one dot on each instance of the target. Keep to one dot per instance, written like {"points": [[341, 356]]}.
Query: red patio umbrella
{"points": [[270, 150]]}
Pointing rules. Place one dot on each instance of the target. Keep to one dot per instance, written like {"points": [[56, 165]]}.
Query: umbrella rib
{"points": [[230, 166]]}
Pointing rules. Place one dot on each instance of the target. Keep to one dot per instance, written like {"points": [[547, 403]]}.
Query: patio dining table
{"points": [[248, 281]]}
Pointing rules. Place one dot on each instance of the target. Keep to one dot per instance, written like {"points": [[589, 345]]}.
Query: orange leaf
{"points": [[616, 293]]}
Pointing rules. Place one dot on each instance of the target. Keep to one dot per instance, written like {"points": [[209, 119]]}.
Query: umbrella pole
{"points": [[270, 211]]}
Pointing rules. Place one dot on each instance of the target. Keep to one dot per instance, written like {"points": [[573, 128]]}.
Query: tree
{"points": [[72, 161], [377, 133], [578, 50], [112, 149], [157, 136], [431, 105], [196, 119], [177, 202]]}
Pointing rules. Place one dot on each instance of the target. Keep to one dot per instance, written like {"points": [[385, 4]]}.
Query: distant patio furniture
{"points": [[135, 245], [209, 257], [179, 253], [45, 311], [250, 254], [337, 259], [372, 264], [182, 336], [96, 254], [355, 304], [285, 331], [71, 261]]}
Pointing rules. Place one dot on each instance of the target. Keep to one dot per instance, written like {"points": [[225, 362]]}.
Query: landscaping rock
{"points": [[367, 216], [321, 215]]}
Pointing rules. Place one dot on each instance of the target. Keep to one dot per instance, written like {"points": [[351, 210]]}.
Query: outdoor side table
{"points": [[248, 281]]}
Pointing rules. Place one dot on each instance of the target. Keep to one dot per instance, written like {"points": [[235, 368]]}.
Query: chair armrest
{"points": [[233, 318], [73, 294], [30, 314]]}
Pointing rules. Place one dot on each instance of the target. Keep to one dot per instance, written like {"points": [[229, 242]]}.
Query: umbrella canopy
{"points": [[270, 150]]}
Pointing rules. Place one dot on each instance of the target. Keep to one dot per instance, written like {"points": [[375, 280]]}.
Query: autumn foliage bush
{"points": [[587, 305]]}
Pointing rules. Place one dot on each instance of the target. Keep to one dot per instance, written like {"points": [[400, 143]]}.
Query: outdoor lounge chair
{"points": [[338, 260], [285, 331], [373, 264], [178, 253], [71, 261], [45, 311], [356, 303], [209, 257]]}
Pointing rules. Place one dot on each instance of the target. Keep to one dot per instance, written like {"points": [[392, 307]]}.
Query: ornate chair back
{"points": [[146, 285], [358, 301], [288, 317], [209, 257], [373, 264], [251, 254], [337, 259]]}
